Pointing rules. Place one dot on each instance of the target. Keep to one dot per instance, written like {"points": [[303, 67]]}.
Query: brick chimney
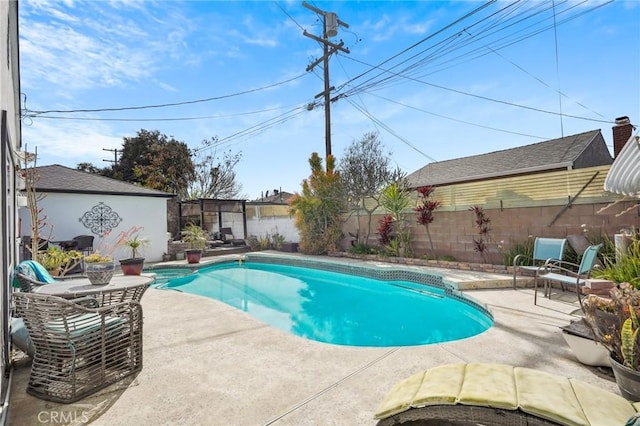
{"points": [[621, 133]]}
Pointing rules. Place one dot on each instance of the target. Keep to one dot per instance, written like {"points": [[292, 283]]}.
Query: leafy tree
{"points": [[153, 160], [136, 153], [89, 168], [169, 168], [365, 170], [318, 210], [214, 176]]}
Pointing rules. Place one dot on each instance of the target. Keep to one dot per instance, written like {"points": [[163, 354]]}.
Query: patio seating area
{"points": [[206, 362]]}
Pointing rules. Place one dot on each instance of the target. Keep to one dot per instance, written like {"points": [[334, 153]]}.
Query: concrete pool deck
{"points": [[206, 363]]}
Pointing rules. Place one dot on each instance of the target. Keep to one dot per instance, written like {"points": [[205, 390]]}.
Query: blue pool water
{"points": [[336, 308]]}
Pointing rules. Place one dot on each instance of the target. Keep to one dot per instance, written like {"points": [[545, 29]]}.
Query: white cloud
{"points": [[70, 142]]}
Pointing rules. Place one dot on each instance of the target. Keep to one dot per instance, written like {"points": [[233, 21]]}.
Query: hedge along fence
{"points": [[552, 204]]}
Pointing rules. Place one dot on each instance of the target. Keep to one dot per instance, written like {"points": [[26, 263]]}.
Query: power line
{"points": [[390, 130], [402, 74], [460, 121], [486, 98], [215, 98], [209, 117]]}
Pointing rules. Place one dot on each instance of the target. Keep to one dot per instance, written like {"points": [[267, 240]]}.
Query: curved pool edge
{"points": [[371, 269]]}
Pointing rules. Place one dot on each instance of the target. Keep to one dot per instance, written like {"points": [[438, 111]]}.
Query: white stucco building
{"points": [[81, 203]]}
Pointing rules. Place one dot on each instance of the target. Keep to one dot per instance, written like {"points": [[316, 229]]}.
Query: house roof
{"points": [[280, 197], [561, 153], [61, 179]]}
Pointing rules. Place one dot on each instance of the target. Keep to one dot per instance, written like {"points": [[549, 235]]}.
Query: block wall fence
{"points": [[453, 232]]}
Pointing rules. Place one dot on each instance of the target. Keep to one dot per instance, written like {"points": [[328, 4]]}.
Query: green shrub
{"points": [[524, 248], [362, 248], [624, 269]]}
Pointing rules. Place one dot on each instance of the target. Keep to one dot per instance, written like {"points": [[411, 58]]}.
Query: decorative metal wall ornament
{"points": [[101, 219]]}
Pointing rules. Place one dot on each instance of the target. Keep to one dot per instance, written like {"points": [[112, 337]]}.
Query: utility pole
{"points": [[115, 155], [330, 23]]}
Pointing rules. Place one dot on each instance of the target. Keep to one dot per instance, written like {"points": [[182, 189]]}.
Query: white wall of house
{"points": [[64, 212], [10, 144]]}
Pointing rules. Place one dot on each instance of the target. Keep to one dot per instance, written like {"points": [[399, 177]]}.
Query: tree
{"points": [[318, 210], [169, 168], [214, 176], [89, 168], [156, 161], [135, 152], [365, 170]]}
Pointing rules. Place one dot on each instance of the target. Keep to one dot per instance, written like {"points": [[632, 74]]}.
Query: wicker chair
{"points": [[27, 284], [79, 350]]}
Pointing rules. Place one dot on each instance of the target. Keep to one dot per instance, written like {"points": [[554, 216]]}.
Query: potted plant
{"points": [[99, 268], [196, 238], [58, 262], [616, 327], [133, 265]]}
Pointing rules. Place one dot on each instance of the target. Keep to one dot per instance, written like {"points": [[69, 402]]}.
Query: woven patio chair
{"points": [[28, 284], [79, 350], [129, 294], [498, 395]]}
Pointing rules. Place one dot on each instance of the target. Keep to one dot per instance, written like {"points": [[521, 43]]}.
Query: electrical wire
{"points": [[214, 98], [390, 130], [208, 117], [460, 121], [402, 75]]}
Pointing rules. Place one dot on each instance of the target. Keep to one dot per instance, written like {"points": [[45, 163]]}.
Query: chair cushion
{"points": [[556, 398], [20, 337], [82, 324]]}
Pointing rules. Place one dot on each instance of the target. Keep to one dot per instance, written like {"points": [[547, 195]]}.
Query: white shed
{"points": [[75, 202]]}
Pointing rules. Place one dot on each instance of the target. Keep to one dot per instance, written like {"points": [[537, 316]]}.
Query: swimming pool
{"points": [[348, 305]]}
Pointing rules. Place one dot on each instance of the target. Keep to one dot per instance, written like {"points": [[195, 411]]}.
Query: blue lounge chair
{"points": [[544, 249], [567, 273]]}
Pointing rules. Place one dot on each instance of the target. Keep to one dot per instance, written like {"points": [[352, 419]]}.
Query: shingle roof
{"points": [[57, 178], [543, 156], [280, 197]]}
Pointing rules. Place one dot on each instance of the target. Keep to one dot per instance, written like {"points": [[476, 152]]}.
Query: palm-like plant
{"points": [[136, 243], [194, 236]]}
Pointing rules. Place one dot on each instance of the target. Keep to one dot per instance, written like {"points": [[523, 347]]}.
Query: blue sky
{"points": [[437, 80]]}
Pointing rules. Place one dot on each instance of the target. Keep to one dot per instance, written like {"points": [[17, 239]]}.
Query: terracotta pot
{"points": [[55, 272], [132, 266], [193, 256]]}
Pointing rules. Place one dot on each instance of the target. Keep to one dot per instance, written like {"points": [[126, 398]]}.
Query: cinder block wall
{"points": [[453, 231]]}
